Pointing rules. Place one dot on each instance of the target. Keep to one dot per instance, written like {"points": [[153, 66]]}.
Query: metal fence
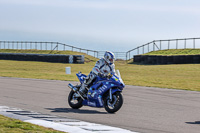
{"points": [[118, 55], [148, 47], [25, 45], [54, 46], [164, 44]]}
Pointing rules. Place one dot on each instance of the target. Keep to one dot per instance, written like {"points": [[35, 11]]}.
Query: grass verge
{"points": [[182, 76], [9, 125]]}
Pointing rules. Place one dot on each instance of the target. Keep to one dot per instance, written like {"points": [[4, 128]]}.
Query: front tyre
{"points": [[114, 105], [74, 102]]}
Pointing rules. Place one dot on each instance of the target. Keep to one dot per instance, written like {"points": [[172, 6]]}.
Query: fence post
{"points": [[153, 46], [176, 43], [8, 45], [72, 48], [143, 49], [57, 46], [160, 45], [12, 45], [194, 43], [185, 43], [168, 44], [148, 47]]}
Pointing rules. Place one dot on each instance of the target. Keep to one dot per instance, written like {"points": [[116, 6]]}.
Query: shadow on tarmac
{"points": [[196, 122], [70, 110]]}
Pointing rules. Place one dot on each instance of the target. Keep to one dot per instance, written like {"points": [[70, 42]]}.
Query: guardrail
{"points": [[164, 44], [54, 46]]}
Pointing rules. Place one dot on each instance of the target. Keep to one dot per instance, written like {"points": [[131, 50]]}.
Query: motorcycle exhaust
{"points": [[72, 87], [75, 90]]}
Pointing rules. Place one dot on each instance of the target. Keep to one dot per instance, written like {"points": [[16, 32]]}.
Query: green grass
{"points": [[175, 52], [9, 125], [183, 76], [186, 76]]}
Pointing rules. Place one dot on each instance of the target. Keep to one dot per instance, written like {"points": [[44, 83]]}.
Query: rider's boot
{"points": [[83, 90], [87, 81]]}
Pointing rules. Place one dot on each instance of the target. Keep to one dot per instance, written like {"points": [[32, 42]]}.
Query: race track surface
{"points": [[145, 109]]}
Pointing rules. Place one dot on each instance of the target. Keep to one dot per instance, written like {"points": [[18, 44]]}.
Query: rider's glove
{"points": [[102, 75]]}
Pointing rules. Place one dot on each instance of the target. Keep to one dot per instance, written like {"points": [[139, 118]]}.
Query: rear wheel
{"points": [[112, 106], [74, 101]]}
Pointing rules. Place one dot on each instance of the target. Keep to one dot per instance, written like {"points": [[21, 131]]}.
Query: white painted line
{"points": [[66, 126], [57, 126]]}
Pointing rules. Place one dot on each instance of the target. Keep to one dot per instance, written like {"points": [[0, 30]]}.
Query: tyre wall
{"points": [[156, 59], [79, 59]]}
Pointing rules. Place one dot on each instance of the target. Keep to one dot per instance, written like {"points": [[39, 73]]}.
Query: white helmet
{"points": [[109, 57]]}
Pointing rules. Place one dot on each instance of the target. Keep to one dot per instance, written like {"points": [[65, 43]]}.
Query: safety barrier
{"points": [[79, 59], [158, 59]]}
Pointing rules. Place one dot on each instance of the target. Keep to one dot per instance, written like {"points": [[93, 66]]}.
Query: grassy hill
{"points": [[175, 52]]}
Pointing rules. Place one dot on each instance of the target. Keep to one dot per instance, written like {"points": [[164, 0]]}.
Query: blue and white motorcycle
{"points": [[104, 92]]}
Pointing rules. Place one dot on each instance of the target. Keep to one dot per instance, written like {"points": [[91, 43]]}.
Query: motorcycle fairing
{"points": [[96, 91], [99, 87], [81, 77]]}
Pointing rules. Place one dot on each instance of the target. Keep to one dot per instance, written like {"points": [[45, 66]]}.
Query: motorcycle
{"points": [[103, 92]]}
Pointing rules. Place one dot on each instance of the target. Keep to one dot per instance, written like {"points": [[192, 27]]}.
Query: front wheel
{"points": [[74, 101], [114, 105]]}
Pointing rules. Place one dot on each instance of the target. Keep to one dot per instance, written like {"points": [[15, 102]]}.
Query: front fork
{"points": [[110, 93]]}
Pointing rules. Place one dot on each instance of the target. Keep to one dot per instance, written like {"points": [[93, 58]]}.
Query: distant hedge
{"points": [[43, 57], [159, 59]]}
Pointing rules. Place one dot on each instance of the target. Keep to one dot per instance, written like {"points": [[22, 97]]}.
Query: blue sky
{"points": [[116, 25]]}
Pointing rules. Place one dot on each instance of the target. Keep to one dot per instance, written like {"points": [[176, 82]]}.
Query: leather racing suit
{"points": [[101, 68]]}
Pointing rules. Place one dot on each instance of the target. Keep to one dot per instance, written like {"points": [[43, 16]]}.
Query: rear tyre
{"points": [[74, 102], [114, 105]]}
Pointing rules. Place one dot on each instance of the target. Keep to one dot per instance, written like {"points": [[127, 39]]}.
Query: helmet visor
{"points": [[111, 60]]}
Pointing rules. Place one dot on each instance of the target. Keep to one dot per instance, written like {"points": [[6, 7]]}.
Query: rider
{"points": [[102, 68]]}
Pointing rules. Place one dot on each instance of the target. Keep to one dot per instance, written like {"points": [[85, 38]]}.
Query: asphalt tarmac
{"points": [[145, 109]]}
